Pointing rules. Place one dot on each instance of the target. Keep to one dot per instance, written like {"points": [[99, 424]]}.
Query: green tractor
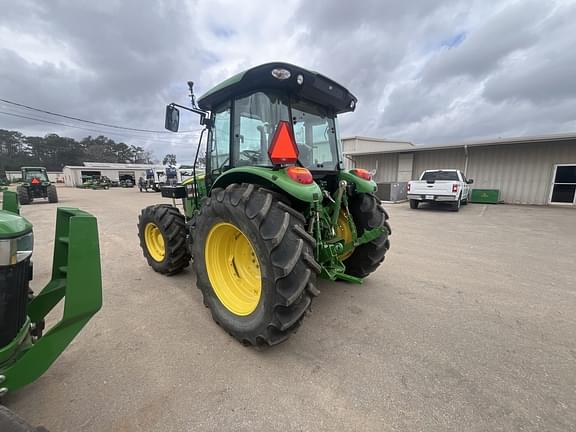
{"points": [[275, 208], [36, 184], [27, 348], [95, 182]]}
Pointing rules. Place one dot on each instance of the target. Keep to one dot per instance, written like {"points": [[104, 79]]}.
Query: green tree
{"points": [[169, 159], [54, 152], [12, 147]]}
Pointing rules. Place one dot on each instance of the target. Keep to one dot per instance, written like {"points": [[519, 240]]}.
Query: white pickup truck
{"points": [[446, 185]]}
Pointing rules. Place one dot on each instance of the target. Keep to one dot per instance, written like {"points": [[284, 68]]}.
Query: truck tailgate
{"points": [[438, 187]]}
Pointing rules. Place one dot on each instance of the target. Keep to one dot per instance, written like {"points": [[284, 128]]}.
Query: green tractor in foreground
{"points": [[275, 208], [36, 184], [27, 349]]}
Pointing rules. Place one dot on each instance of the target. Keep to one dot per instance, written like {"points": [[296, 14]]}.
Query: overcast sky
{"points": [[424, 71]]}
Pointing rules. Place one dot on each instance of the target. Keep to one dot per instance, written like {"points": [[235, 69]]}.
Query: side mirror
{"points": [[469, 181], [172, 118]]}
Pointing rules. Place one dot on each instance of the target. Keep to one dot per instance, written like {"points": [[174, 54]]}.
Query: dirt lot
{"points": [[469, 325]]}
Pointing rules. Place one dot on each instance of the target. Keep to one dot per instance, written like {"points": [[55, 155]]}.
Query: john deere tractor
{"points": [[27, 348], [275, 208], [35, 184]]}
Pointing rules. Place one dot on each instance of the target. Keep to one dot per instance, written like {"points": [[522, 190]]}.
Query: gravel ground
{"points": [[469, 325]]}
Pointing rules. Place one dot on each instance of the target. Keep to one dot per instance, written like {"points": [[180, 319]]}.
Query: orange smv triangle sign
{"points": [[283, 149]]}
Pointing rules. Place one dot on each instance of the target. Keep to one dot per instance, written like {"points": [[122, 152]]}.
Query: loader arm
{"points": [[76, 279]]}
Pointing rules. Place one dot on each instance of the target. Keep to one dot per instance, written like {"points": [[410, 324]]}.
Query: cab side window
{"points": [[220, 152]]}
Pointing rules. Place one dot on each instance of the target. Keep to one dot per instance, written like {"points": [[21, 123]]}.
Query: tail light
{"points": [[408, 187], [300, 175], [454, 187], [283, 149], [362, 173]]}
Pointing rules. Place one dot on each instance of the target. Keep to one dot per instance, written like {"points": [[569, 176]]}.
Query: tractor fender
{"points": [[363, 186], [269, 177]]}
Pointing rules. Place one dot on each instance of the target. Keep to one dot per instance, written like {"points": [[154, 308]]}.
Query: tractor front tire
{"points": [[52, 194], [162, 233], [368, 213], [23, 195], [254, 264]]}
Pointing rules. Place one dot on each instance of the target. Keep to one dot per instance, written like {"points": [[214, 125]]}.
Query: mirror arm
{"points": [[204, 115]]}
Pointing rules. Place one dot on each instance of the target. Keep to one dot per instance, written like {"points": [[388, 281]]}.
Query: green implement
{"points": [[485, 196], [26, 349]]}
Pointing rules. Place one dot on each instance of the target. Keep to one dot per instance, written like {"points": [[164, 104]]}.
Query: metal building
{"points": [[527, 170], [75, 175]]}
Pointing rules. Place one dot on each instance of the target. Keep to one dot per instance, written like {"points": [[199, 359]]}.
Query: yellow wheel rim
{"points": [[233, 269], [154, 242], [344, 232]]}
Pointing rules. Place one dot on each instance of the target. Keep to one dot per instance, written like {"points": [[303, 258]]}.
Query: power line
{"points": [[83, 128], [89, 121]]}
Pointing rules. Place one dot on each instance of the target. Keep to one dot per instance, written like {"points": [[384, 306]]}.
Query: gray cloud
{"points": [[505, 32], [427, 71], [545, 73]]}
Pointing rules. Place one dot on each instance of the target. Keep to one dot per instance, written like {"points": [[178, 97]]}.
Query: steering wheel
{"points": [[253, 155]]}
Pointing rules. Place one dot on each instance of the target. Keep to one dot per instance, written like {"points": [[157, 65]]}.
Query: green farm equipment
{"points": [[93, 182], [27, 348], [275, 208], [36, 184]]}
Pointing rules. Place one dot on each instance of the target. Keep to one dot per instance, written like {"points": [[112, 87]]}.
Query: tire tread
{"points": [[290, 250]]}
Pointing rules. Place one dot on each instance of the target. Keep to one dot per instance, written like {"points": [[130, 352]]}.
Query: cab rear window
{"points": [[440, 175]]}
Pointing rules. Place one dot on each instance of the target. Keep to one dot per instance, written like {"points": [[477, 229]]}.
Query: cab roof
{"points": [[314, 87]]}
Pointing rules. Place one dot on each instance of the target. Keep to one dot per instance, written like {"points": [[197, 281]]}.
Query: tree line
{"points": [[54, 151]]}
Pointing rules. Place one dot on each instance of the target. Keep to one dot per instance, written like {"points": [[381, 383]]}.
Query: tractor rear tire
{"points": [[367, 213], [52, 194], [163, 233], [285, 269], [23, 195]]}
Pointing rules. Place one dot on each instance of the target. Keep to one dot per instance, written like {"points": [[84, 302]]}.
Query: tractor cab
{"points": [[34, 176], [271, 116], [246, 128]]}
